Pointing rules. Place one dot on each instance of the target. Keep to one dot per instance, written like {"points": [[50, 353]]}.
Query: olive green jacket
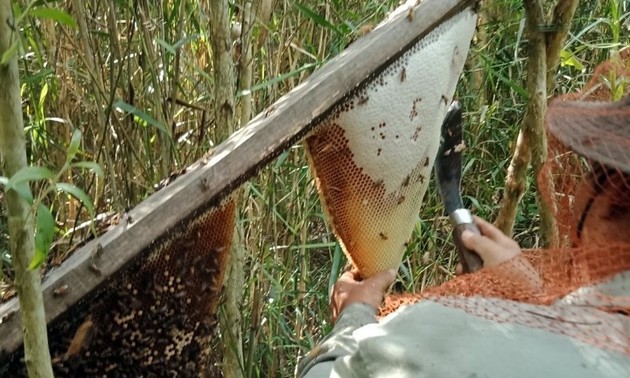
{"points": [[482, 337]]}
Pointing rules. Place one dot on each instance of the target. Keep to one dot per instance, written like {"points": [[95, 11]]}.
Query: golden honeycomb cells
{"points": [[372, 156]]}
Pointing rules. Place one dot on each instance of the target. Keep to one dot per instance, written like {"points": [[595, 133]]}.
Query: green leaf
{"points": [[337, 266], [44, 235], [168, 47], [55, 15], [37, 77], [9, 53], [177, 45], [74, 145], [94, 167], [276, 80], [42, 97], [31, 173], [24, 191], [38, 260], [140, 114], [568, 59], [317, 18], [281, 159], [506, 80], [78, 194]]}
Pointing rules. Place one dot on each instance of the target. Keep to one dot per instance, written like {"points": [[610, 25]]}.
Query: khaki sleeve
{"points": [[340, 342]]}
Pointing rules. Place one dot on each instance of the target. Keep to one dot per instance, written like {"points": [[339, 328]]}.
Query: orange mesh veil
{"points": [[586, 180]]}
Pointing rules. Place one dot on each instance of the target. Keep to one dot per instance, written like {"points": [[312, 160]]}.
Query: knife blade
{"points": [[448, 173]]}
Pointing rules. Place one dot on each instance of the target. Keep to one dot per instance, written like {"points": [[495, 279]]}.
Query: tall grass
{"points": [[138, 84]]}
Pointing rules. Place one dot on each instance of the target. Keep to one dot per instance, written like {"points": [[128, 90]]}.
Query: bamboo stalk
{"points": [[98, 87], [158, 94]]}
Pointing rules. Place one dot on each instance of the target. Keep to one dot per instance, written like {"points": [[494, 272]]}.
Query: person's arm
{"points": [[356, 301], [340, 342], [354, 304]]}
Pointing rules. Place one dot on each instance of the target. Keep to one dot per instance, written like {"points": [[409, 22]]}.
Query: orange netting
{"points": [[591, 201]]}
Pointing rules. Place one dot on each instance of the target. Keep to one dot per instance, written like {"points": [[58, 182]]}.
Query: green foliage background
{"points": [[135, 77]]}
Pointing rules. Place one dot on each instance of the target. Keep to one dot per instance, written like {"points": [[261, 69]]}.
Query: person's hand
{"points": [[348, 290], [493, 246]]}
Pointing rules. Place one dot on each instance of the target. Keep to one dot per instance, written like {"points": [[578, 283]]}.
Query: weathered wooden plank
{"points": [[284, 123]]}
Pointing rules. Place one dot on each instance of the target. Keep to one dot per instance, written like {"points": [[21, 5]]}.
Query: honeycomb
{"points": [[372, 156], [155, 319]]}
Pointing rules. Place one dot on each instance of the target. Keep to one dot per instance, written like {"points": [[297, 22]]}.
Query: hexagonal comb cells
{"points": [[156, 317], [372, 156]]}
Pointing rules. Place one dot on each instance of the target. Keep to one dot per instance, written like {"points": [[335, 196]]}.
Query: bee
{"points": [[95, 269], [410, 14], [205, 184], [61, 290], [269, 111], [406, 182], [81, 340], [326, 148], [97, 251], [7, 317], [128, 218], [363, 30]]}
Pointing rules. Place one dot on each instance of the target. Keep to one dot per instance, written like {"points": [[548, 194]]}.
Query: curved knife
{"points": [[448, 173]]}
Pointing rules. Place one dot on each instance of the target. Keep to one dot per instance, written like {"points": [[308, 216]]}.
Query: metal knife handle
{"points": [[462, 220]]}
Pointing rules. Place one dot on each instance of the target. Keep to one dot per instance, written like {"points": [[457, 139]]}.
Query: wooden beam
{"points": [[273, 131]]}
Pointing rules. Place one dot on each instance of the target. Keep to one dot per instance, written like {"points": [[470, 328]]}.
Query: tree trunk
{"points": [[223, 66], [224, 90], [562, 16], [543, 52], [13, 157], [532, 128], [534, 123]]}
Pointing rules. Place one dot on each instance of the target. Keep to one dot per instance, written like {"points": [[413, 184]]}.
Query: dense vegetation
{"points": [[136, 78]]}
